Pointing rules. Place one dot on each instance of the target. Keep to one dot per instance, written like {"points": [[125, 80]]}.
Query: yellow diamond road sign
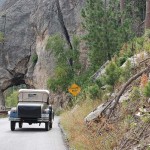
{"points": [[74, 89]]}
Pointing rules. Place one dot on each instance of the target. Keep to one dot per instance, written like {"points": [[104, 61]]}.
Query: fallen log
{"points": [[146, 70], [107, 108]]}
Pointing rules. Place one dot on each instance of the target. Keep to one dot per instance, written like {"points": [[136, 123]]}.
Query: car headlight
{"points": [[13, 110]]}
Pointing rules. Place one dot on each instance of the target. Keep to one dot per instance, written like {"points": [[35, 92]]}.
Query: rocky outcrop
{"points": [[136, 60], [26, 25]]}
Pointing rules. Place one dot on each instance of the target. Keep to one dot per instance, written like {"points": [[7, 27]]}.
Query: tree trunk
{"points": [[122, 7], [147, 19]]}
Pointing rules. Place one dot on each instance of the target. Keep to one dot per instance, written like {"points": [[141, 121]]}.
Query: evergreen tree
{"points": [[105, 33]]}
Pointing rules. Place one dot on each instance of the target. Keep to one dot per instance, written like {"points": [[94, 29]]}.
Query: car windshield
{"points": [[33, 97]]}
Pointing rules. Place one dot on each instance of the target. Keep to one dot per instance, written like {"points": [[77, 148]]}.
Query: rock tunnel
{"points": [[9, 78]]}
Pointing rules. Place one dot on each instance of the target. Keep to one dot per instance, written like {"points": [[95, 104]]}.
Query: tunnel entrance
{"points": [[9, 90], [11, 95]]}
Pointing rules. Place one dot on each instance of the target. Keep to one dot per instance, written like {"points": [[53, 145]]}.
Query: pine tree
{"points": [[105, 34]]}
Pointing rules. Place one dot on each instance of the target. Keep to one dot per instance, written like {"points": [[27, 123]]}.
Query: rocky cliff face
{"points": [[26, 25]]}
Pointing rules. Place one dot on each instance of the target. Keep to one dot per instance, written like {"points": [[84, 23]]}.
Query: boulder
{"points": [[136, 59], [98, 111]]}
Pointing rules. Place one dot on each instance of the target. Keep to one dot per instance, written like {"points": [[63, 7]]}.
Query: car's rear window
{"points": [[31, 97]]}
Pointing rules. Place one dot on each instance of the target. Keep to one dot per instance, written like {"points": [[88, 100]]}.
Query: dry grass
{"points": [[94, 136], [100, 135]]}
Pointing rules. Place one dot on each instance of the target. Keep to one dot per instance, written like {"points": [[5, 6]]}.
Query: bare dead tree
{"points": [[147, 19], [122, 6]]}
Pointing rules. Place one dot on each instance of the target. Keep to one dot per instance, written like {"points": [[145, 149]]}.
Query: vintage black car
{"points": [[33, 107]]}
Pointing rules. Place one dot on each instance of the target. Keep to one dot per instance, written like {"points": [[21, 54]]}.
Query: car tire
{"points": [[47, 126], [50, 125], [20, 125], [12, 125]]}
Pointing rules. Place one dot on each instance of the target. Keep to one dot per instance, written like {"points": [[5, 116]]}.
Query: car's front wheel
{"points": [[47, 126], [12, 125]]}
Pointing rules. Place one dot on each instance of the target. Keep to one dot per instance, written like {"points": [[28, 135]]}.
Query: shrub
{"points": [[146, 90], [12, 100], [139, 43], [55, 43], [34, 58], [1, 37], [147, 33], [100, 82], [122, 60], [112, 75], [126, 72], [94, 91], [135, 94], [146, 118], [62, 79]]}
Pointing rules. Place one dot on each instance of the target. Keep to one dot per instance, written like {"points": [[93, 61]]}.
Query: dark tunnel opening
{"points": [[11, 92]]}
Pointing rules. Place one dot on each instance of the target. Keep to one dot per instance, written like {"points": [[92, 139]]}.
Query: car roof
{"points": [[33, 90]]}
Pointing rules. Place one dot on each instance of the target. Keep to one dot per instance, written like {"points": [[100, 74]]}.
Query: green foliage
{"points": [[147, 33], [122, 60], [94, 91], [135, 94], [64, 73], [112, 74], [142, 43], [58, 112], [139, 43], [126, 72], [11, 101], [111, 77], [100, 82], [61, 81], [105, 34], [146, 43], [146, 90], [34, 58], [129, 119], [146, 118], [57, 45], [10, 90], [1, 37], [148, 148], [141, 9]]}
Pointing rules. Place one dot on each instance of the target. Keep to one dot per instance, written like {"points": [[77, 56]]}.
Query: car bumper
{"points": [[38, 120]]}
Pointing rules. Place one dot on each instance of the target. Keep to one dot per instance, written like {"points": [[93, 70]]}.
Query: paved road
{"points": [[32, 137]]}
